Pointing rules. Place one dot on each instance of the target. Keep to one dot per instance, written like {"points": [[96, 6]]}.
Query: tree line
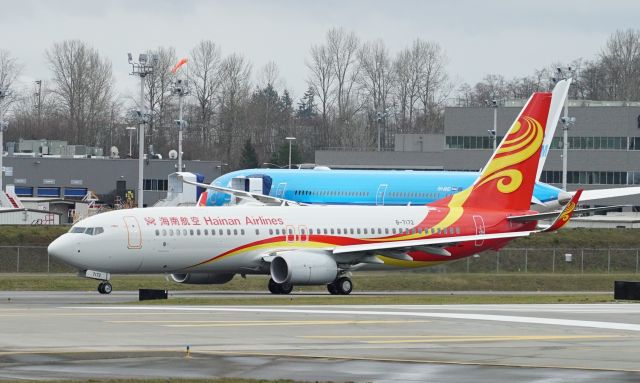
{"points": [[241, 115]]}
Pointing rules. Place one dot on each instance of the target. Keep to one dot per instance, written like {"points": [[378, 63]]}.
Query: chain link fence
{"points": [[34, 259]]}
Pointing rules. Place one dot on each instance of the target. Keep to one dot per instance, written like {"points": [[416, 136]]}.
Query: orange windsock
{"points": [[179, 64]]}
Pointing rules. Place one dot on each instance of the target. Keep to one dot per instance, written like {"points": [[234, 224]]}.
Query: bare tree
{"points": [[269, 75], [205, 80], [82, 87], [407, 68], [9, 71], [434, 85], [235, 75], [158, 87], [377, 80], [620, 60], [321, 82], [342, 46]]}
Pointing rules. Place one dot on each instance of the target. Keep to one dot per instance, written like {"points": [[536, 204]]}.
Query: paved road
{"points": [[453, 343]]}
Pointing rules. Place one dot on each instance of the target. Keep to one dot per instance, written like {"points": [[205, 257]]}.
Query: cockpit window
{"points": [[87, 230]]}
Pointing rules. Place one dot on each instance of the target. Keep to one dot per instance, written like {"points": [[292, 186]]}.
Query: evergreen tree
{"points": [[249, 157], [281, 156]]}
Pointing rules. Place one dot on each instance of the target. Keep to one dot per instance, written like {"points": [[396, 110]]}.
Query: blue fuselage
{"points": [[361, 187]]}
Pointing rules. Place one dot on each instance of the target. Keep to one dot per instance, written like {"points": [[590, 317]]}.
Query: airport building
{"points": [[53, 177], [603, 150]]}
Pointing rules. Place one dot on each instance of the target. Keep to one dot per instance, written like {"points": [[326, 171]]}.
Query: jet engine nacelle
{"points": [[202, 278], [304, 268]]}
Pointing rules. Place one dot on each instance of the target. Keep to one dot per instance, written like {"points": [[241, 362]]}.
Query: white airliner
{"points": [[316, 245]]}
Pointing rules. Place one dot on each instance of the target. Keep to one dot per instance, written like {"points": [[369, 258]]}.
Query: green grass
{"points": [[165, 380], [381, 281]]}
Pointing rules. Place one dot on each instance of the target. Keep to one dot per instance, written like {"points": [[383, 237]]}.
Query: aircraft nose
{"points": [[60, 249]]}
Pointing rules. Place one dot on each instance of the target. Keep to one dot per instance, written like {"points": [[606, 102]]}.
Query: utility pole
{"points": [[181, 88], [142, 68], [290, 139], [494, 133], [39, 102], [4, 125], [380, 117]]}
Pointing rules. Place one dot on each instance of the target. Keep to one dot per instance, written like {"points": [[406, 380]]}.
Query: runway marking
{"points": [[383, 339], [265, 322], [464, 316]]}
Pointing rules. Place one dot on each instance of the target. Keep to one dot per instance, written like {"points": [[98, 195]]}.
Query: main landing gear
{"points": [[105, 287], [341, 286], [280, 288]]}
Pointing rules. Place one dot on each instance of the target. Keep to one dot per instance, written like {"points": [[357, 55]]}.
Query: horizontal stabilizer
{"points": [[541, 216], [257, 197], [589, 195]]}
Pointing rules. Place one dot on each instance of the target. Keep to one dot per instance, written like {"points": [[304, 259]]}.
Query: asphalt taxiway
{"points": [[481, 343]]}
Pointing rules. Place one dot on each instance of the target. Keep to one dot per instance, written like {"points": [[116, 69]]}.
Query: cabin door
{"points": [[133, 232], [479, 222], [280, 189], [382, 189]]}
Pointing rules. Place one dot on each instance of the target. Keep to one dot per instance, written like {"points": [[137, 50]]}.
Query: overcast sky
{"points": [[511, 38]]}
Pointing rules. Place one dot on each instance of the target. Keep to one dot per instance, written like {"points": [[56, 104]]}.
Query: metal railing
{"points": [[35, 259]]}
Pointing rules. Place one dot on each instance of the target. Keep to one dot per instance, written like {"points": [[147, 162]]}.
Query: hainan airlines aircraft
{"points": [[321, 245]]}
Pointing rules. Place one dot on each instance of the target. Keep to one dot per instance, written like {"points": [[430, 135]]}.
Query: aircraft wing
{"points": [[261, 198], [429, 245], [589, 195]]}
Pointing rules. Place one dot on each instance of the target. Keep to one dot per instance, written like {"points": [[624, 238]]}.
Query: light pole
{"points": [[181, 88], [380, 116], [4, 125], [494, 132], [130, 129], [290, 139], [142, 68]]}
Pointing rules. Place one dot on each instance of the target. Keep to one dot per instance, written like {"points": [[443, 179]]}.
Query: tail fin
{"points": [[507, 181]]}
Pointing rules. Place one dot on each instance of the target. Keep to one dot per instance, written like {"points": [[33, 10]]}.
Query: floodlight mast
{"points": [[567, 122], [181, 88], [142, 68], [4, 125]]}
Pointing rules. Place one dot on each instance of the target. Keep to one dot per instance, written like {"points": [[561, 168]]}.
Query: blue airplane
{"points": [[358, 187]]}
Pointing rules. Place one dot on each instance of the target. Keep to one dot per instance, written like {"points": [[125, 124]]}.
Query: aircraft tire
{"points": [[333, 290], [100, 287], [344, 286], [274, 287], [107, 288], [286, 288]]}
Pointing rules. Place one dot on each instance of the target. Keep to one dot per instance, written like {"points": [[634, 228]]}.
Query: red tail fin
{"points": [[507, 181]]}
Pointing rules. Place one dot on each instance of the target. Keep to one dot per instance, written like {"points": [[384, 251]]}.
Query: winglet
{"points": [[564, 217]]}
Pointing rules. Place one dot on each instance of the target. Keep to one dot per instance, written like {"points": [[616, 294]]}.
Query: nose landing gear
{"points": [[105, 287]]}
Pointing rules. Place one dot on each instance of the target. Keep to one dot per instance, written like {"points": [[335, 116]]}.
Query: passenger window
{"points": [[257, 232], [351, 231], [241, 231], [184, 232], [451, 230], [221, 232], [458, 230], [206, 231], [325, 231], [339, 231], [157, 232], [365, 230], [386, 230], [177, 233], [393, 230], [331, 230], [277, 231], [164, 232], [191, 231], [228, 231], [270, 231], [198, 232], [235, 231], [358, 230]]}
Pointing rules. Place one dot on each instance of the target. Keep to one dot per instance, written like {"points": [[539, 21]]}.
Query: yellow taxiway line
{"points": [[197, 323]]}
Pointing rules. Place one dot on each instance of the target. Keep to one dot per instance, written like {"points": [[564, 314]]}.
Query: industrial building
{"points": [[603, 150]]}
